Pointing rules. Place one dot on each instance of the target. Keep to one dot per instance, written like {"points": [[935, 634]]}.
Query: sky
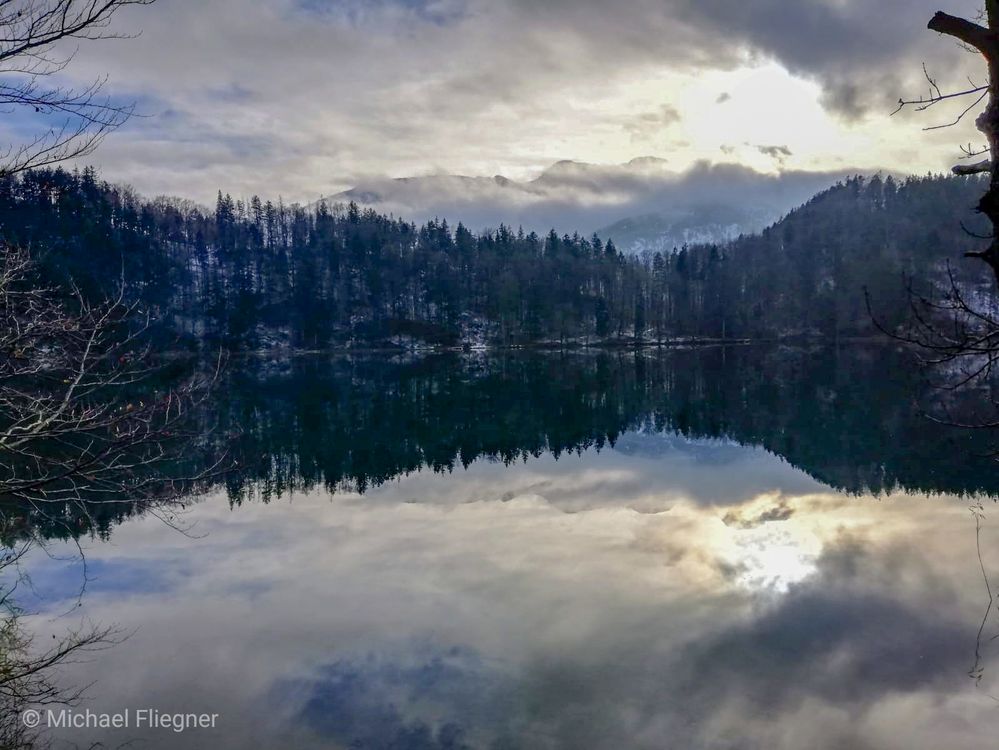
{"points": [[302, 98]]}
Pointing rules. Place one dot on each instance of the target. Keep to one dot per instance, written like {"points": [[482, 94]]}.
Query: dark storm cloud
{"points": [[848, 650], [861, 52]]}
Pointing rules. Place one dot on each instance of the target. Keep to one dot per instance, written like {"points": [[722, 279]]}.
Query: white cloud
{"points": [[303, 97]]}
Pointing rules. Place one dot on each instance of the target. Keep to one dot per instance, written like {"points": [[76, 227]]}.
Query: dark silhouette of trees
{"points": [[258, 274], [954, 324], [847, 416], [985, 40]]}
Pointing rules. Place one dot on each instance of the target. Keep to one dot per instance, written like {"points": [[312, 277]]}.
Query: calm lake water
{"points": [[728, 548]]}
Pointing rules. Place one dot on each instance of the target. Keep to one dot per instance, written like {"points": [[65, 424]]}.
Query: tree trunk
{"points": [[986, 41]]}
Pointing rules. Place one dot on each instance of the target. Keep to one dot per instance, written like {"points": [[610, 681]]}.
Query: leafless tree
{"points": [[955, 327], [27, 671], [36, 45], [80, 427], [69, 434], [80, 420]]}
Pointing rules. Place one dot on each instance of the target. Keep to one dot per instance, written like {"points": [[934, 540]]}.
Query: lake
{"points": [[738, 548]]}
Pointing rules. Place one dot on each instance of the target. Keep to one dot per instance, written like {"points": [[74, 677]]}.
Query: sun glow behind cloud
{"points": [[759, 115], [307, 98]]}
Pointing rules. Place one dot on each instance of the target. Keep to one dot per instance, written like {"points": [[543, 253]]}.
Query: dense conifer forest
{"points": [[257, 273]]}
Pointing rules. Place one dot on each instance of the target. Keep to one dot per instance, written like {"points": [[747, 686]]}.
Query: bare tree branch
{"points": [[974, 35], [970, 169], [32, 36], [28, 672], [75, 425]]}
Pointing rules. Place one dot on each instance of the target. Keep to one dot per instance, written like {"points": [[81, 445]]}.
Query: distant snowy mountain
{"points": [[668, 230], [642, 204]]}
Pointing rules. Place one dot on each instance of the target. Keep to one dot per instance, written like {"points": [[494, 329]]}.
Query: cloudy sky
{"points": [[307, 97]]}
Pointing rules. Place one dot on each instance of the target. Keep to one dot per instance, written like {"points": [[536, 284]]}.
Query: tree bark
{"points": [[977, 168], [986, 41], [981, 38]]}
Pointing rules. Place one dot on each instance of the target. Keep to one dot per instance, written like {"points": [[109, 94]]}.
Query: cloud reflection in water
{"points": [[601, 600]]}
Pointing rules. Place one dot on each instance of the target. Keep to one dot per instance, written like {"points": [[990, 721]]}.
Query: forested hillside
{"points": [[807, 273], [256, 273]]}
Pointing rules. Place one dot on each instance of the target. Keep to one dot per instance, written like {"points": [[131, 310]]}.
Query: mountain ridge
{"points": [[575, 196]]}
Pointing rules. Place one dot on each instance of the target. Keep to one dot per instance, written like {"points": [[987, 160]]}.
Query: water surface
{"points": [[742, 548]]}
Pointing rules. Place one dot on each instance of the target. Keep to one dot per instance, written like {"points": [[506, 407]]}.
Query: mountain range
{"points": [[643, 204]]}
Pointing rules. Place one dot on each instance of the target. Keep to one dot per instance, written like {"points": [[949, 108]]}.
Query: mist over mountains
{"points": [[641, 205]]}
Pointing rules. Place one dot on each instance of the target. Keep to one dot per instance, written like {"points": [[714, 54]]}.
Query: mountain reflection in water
{"points": [[741, 548]]}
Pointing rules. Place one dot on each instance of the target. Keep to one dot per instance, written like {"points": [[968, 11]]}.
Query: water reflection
{"points": [[850, 418], [672, 590]]}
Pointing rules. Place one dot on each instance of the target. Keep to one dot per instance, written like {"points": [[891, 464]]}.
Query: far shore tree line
{"points": [[259, 274]]}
